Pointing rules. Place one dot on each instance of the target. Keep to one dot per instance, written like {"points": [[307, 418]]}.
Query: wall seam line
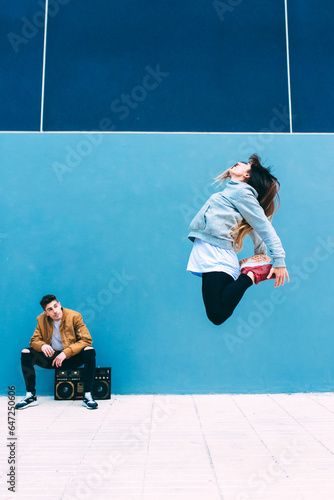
{"points": [[44, 59], [288, 60]]}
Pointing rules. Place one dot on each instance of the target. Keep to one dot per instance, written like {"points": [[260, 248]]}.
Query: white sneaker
{"points": [[30, 399], [88, 402]]}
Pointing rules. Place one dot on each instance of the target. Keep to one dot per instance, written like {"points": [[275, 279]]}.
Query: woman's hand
{"points": [[280, 274]]}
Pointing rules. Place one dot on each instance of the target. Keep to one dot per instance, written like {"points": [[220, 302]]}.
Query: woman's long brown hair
{"points": [[267, 187]]}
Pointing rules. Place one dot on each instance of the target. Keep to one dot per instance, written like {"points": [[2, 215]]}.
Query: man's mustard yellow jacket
{"points": [[73, 332]]}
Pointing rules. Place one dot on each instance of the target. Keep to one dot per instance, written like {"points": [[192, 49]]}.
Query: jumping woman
{"points": [[246, 202]]}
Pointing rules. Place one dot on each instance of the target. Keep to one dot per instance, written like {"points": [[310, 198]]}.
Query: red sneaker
{"points": [[259, 265]]}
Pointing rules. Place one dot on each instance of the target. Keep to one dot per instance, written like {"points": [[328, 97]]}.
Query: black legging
{"points": [[221, 294], [85, 357]]}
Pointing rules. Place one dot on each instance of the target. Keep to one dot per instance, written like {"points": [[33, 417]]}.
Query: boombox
{"points": [[69, 383]]}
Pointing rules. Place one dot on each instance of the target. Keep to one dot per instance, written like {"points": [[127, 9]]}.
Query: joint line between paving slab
{"points": [[320, 404], [259, 437], [39, 435], [301, 425], [85, 452], [208, 451], [148, 449]]}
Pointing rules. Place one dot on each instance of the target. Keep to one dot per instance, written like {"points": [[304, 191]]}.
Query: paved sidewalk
{"points": [[156, 447]]}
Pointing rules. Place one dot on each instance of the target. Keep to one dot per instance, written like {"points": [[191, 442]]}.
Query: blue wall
{"points": [[101, 221]]}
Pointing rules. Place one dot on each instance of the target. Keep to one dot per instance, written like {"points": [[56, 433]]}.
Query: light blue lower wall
{"points": [[101, 221]]}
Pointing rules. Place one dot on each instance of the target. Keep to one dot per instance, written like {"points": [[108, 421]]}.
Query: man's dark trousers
{"points": [[85, 357]]}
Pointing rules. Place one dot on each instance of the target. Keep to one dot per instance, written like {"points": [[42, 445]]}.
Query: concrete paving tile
{"points": [[123, 491], [185, 495], [34, 495], [112, 495], [156, 447], [181, 494]]}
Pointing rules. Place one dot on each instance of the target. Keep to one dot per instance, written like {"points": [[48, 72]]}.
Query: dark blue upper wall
{"points": [[221, 71], [21, 53], [177, 66], [311, 44]]}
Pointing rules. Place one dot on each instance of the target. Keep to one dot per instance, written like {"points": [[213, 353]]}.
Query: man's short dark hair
{"points": [[47, 299]]}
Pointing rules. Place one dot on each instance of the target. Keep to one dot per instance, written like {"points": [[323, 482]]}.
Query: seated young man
{"points": [[61, 339]]}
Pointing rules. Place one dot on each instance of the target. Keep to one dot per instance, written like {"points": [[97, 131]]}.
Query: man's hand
{"points": [[280, 274], [48, 351], [59, 359]]}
